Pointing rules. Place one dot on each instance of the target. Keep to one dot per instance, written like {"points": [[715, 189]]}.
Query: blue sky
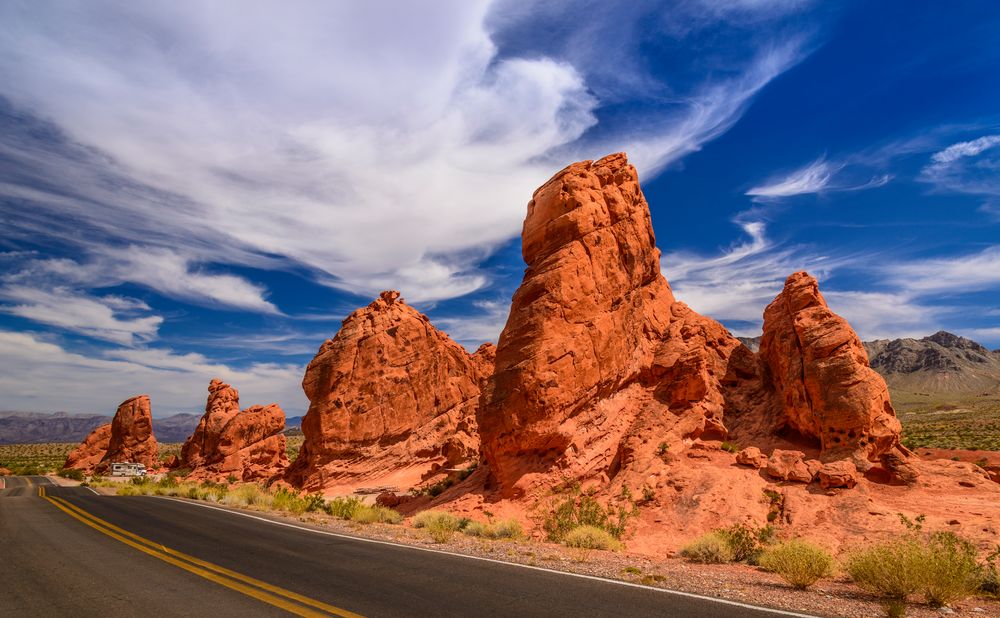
{"points": [[208, 190]]}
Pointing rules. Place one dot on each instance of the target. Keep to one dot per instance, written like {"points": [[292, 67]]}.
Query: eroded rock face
{"points": [[818, 370], [248, 445], [392, 401], [132, 436], [91, 451], [596, 354]]}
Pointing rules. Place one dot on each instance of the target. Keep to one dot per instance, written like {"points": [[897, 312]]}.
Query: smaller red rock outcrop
{"points": [[838, 474], [392, 402], [91, 451], [132, 436], [248, 445], [819, 372]]}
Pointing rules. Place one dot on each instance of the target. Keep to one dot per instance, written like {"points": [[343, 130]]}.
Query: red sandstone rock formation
{"points": [[597, 356], [819, 371], [132, 436], [91, 451], [392, 402], [248, 445]]}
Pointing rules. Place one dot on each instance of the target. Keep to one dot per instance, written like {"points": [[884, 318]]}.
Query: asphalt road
{"points": [[73, 552]]}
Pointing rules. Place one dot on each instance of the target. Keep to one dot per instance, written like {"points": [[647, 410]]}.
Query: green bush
{"points": [[439, 524], [501, 529], [950, 570], [72, 474], [366, 514], [941, 566], [288, 500], [744, 541], [343, 507], [799, 563], [711, 548], [315, 502], [582, 509], [591, 537]]}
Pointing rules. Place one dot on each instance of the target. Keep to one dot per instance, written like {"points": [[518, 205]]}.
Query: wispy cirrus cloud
{"points": [[971, 166], [820, 176], [737, 284]]}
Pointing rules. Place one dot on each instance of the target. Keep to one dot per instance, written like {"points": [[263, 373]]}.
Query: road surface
{"points": [[67, 551]]}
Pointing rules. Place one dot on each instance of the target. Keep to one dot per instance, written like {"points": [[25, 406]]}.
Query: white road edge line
{"points": [[480, 558], [92, 490]]}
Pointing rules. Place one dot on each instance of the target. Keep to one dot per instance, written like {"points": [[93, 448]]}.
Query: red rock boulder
{"points": [[819, 373], [838, 474], [132, 436], [248, 445], [91, 451], [790, 466], [392, 402]]}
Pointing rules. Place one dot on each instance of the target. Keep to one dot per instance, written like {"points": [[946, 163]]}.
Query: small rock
{"points": [[954, 522], [966, 483]]}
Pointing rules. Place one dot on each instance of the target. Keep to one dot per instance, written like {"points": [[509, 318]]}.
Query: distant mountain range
{"points": [[33, 427]]}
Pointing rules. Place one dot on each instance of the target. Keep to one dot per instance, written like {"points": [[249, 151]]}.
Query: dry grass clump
{"points": [[591, 537], [500, 529], [711, 548], [800, 563], [440, 525], [941, 566], [366, 514]]}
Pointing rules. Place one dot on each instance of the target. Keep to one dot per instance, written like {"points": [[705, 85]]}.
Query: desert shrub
{"points": [[744, 541], [582, 509], [942, 566], [439, 524], [729, 447], [315, 502], [501, 529], [711, 548], [890, 569], [950, 571], [366, 514], [591, 537], [72, 474], [798, 562], [141, 480], [130, 490], [248, 495], [343, 507], [287, 500]]}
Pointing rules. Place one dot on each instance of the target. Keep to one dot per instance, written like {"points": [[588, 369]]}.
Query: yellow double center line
{"points": [[287, 600]]}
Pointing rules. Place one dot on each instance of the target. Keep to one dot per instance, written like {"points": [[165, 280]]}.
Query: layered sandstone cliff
{"points": [[248, 445], [392, 402]]}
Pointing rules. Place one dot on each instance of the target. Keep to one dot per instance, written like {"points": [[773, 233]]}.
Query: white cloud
{"points": [[379, 148], [736, 286], [955, 274], [476, 328], [158, 268], [175, 383], [110, 318], [812, 178], [817, 177], [966, 167]]}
